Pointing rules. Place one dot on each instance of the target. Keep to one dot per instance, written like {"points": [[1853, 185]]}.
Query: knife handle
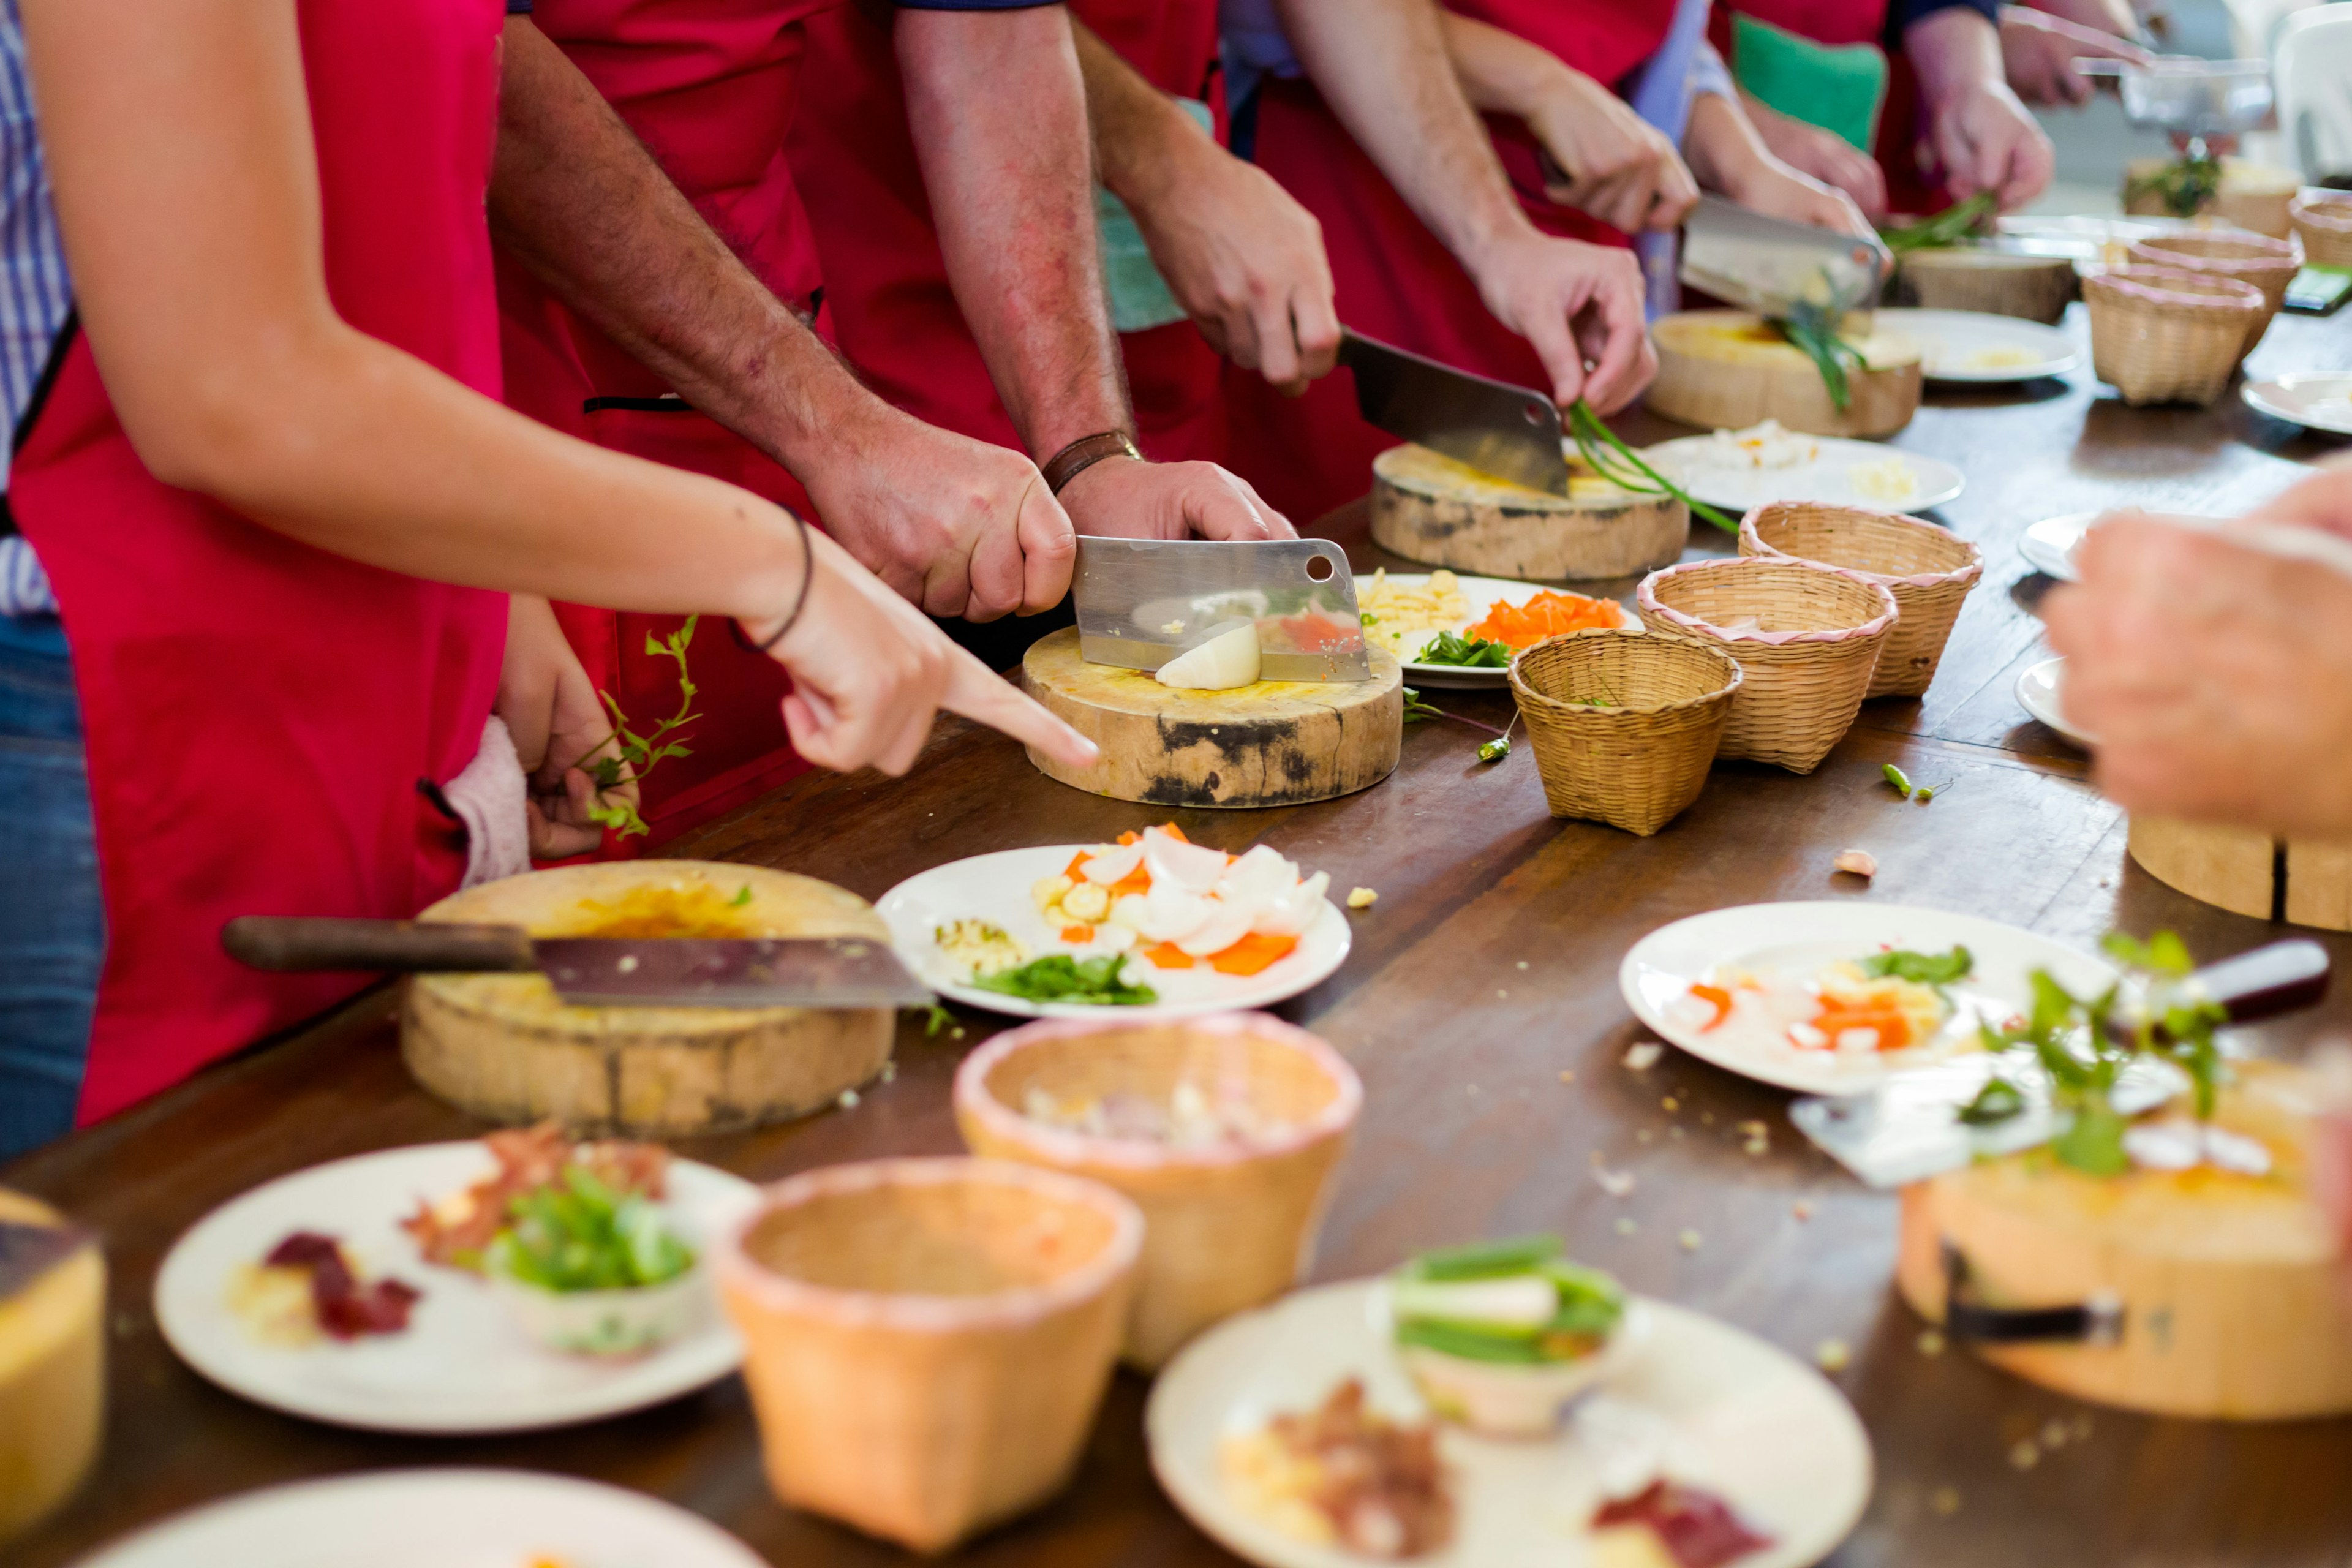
{"points": [[2283, 977], [282, 942]]}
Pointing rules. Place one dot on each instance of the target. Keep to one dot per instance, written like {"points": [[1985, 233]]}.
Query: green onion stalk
{"points": [[1622, 466], [1949, 227], [1814, 331]]}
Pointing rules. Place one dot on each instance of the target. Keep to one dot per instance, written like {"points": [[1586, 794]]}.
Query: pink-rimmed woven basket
{"points": [[1228, 1225], [1807, 660], [2323, 221], [927, 1340], [2158, 335], [2270, 265], [1929, 570]]}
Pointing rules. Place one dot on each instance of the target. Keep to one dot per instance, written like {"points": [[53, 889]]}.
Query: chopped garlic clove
{"points": [[1860, 862], [1362, 899]]}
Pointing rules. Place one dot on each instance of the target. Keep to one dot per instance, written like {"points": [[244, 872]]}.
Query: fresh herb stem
{"points": [[1622, 466], [637, 755], [1814, 331], [1415, 711], [1949, 227]]}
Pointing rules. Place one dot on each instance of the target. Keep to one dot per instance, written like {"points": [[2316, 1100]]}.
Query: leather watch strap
{"points": [[1083, 454]]}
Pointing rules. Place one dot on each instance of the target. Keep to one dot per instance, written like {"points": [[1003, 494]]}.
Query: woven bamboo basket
{"points": [[1227, 1226], [2270, 265], [2165, 336], [928, 1340], [1807, 659], [1625, 723], [1929, 570], [2323, 221]]}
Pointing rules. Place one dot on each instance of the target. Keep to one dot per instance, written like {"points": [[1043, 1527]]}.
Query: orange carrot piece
{"points": [[1174, 832], [1075, 869], [1720, 997], [1168, 956], [1077, 933], [1131, 836], [1136, 881], [1252, 954]]}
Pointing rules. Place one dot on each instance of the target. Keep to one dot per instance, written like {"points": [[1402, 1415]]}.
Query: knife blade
{"points": [[832, 971], [1771, 267], [1141, 602], [1908, 1128], [1510, 432]]}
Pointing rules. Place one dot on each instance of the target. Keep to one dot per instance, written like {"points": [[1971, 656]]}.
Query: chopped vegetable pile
{"points": [[1951, 226], [1469, 653], [1180, 903], [1518, 1301], [1547, 615], [1058, 977], [578, 1233]]}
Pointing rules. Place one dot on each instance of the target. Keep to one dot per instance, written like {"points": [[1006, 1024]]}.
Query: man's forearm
{"points": [[1139, 133], [1383, 67], [998, 111], [577, 198], [1500, 72]]}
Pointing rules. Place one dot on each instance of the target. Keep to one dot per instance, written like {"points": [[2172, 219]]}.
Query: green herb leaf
{"points": [[1469, 653], [1486, 1259], [1922, 968], [1059, 977], [1814, 331], [740, 899], [1416, 710], [1947, 227], [1996, 1102], [639, 754], [578, 1233], [2092, 1142]]}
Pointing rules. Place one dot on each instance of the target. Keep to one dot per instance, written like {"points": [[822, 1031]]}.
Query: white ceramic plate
{"points": [[1724, 1410], [2037, 693], [1796, 939], [1484, 593], [1825, 480], [2049, 546], [2316, 402], [1979, 347], [995, 887], [433, 1518], [463, 1364]]}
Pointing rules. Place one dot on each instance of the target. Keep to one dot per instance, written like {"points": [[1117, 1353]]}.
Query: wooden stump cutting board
{"points": [[504, 1046], [1727, 369], [1427, 507], [1276, 743]]}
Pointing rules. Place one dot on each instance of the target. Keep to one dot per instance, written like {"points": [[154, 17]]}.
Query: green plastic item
{"points": [[1139, 297], [1841, 89]]}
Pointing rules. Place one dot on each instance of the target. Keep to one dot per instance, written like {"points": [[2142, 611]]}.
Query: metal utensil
{"points": [[596, 972], [1774, 267], [1908, 1128], [2188, 95], [1512, 433], [1141, 602]]}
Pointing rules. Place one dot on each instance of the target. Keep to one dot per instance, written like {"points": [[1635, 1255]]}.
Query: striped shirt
{"points": [[36, 295]]}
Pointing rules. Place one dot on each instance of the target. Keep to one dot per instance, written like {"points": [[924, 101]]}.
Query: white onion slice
{"points": [[1224, 661]]}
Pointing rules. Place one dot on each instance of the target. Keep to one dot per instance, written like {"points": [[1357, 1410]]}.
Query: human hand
{"points": [[1244, 259], [1823, 156], [551, 708], [1776, 190], [1120, 498], [1574, 303], [1619, 168], [957, 526], [869, 670], [2037, 52], [2218, 678], [1985, 140]]}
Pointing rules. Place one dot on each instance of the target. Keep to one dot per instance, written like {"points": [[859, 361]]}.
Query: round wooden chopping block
{"points": [[506, 1047], [2000, 283], [1276, 743], [2229, 1285], [1727, 369], [1429, 508]]}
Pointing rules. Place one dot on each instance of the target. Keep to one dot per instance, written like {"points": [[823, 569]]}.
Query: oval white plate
{"points": [[1951, 343], [1736, 489], [463, 1364], [1746, 1420], [995, 887], [2049, 546], [447, 1519], [2037, 693], [2321, 402], [1665, 965], [1484, 593]]}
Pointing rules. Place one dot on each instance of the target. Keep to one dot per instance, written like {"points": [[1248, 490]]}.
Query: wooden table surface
{"points": [[1484, 976]]}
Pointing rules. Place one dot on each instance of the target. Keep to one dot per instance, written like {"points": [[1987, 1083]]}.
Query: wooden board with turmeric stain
{"points": [[505, 1047], [1427, 507], [1275, 742], [1727, 369]]}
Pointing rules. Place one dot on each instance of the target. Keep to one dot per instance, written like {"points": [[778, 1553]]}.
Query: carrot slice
{"points": [[1131, 836], [1136, 881], [1075, 869], [1252, 954], [1892, 1028], [1168, 956], [1174, 832], [1077, 933], [1721, 1000]]}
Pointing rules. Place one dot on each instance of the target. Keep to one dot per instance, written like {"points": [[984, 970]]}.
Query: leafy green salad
{"points": [[579, 1234], [1059, 977], [1516, 1302]]}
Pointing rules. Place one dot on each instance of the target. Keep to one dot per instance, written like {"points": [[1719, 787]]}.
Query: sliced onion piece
{"points": [[1111, 862], [1224, 661], [1193, 867]]}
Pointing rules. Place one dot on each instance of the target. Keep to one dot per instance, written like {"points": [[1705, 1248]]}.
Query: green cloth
{"points": [[1138, 295], [1841, 89]]}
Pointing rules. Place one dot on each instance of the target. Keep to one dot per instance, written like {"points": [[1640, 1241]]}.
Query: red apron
{"points": [[259, 714], [1910, 188], [1396, 281], [886, 283], [709, 86]]}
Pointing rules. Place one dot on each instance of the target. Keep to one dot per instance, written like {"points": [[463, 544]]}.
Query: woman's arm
{"points": [[179, 144]]}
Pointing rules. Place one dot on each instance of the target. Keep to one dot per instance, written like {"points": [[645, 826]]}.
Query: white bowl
{"points": [[1504, 1399]]}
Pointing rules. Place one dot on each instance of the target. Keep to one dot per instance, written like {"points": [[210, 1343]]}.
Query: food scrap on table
{"points": [[1362, 897], [1856, 862], [1343, 1475], [306, 1287]]}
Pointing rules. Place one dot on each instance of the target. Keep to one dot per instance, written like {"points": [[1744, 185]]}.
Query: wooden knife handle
{"points": [[312, 941]]}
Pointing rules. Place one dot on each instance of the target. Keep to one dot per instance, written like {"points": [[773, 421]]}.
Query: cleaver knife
{"points": [[596, 972], [1909, 1128], [1141, 602], [1510, 432], [1772, 267]]}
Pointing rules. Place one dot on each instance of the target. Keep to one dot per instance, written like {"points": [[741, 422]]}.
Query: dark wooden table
{"points": [[1484, 978]]}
